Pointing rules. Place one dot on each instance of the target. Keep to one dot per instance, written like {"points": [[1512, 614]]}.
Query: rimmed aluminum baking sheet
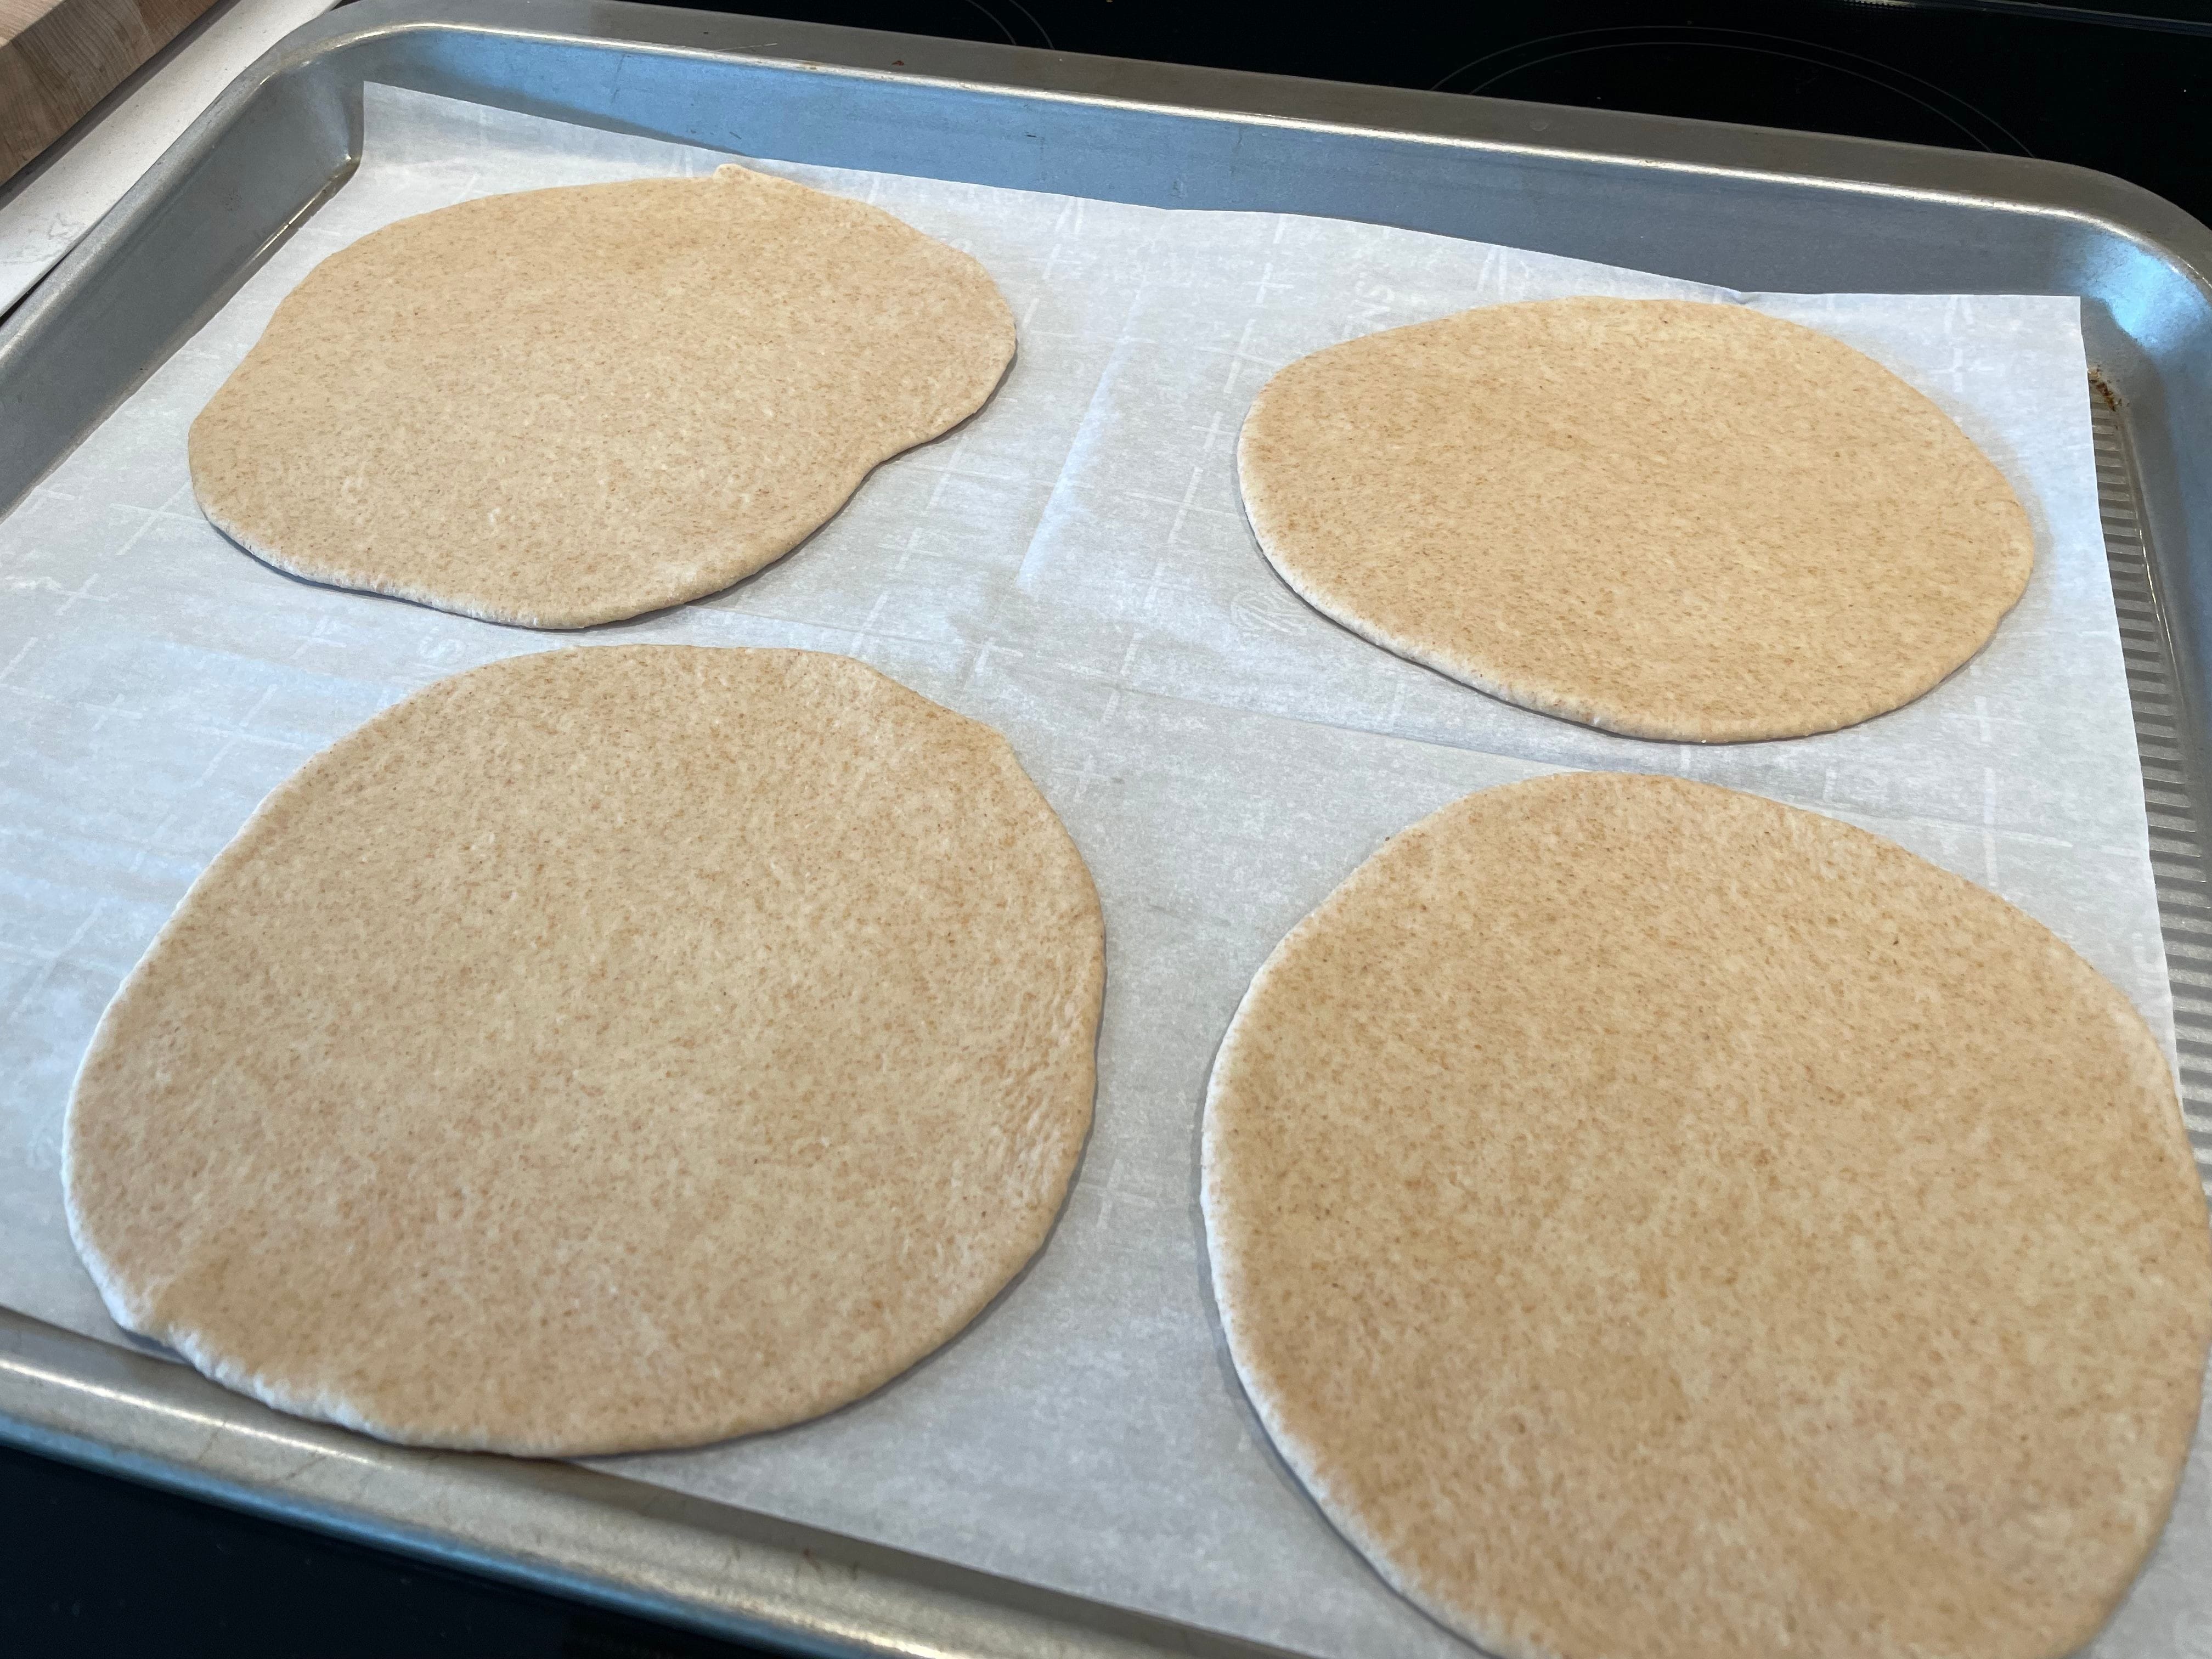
{"points": [[622, 1543]]}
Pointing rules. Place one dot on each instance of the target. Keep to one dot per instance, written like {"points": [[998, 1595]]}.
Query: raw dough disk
{"points": [[602, 1050], [568, 406], [1666, 518], [1659, 1224]]}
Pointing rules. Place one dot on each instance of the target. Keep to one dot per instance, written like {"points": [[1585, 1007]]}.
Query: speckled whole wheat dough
{"points": [[568, 406], [603, 1049], [1659, 1224], [1661, 517]]}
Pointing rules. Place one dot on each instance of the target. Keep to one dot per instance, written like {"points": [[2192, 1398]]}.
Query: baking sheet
{"points": [[1072, 567]]}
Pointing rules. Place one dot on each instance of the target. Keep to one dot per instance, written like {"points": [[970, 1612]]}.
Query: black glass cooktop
{"points": [[96, 1566], [2123, 91]]}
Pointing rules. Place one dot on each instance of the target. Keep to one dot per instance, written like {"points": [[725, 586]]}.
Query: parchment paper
{"points": [[1073, 568]]}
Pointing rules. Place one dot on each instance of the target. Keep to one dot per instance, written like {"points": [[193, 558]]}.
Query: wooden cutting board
{"points": [[60, 58]]}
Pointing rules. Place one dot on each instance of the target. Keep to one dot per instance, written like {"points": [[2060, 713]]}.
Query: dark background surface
{"points": [[89, 1564], [2118, 87]]}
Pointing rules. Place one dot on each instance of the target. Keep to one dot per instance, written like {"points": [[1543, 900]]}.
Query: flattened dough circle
{"points": [[1659, 1224], [568, 406], [1665, 519], [602, 1049]]}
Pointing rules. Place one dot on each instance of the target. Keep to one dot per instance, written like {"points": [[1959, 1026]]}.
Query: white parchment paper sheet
{"points": [[1072, 567]]}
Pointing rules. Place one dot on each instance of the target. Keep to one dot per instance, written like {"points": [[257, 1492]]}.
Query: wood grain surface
{"points": [[60, 58]]}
